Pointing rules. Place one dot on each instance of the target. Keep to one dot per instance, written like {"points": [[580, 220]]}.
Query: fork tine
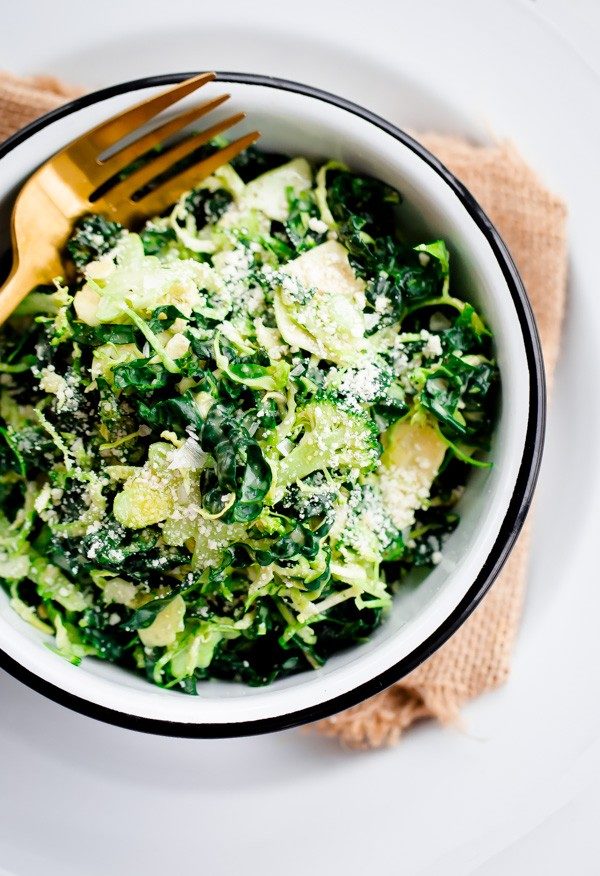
{"points": [[170, 190], [129, 153], [112, 130], [164, 161]]}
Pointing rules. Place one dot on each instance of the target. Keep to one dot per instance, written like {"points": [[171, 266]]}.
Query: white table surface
{"points": [[518, 789]]}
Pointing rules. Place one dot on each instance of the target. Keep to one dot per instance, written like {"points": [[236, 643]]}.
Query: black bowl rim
{"points": [[517, 507]]}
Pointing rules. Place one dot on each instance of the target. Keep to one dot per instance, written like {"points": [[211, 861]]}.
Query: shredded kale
{"points": [[207, 206], [207, 438], [92, 237], [253, 162]]}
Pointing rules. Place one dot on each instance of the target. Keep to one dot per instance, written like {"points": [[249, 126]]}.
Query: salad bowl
{"points": [[300, 120]]}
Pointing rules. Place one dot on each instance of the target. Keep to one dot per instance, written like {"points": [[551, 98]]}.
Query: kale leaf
{"points": [[240, 466], [208, 206], [253, 162], [155, 240], [172, 413], [93, 236]]}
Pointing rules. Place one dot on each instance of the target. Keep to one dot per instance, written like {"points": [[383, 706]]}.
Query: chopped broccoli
{"points": [[334, 439]]}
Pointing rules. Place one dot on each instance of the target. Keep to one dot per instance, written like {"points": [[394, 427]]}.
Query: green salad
{"points": [[227, 438]]}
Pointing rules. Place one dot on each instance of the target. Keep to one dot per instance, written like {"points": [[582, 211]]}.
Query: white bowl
{"points": [[301, 120]]}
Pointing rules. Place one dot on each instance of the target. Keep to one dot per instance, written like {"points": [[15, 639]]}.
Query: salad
{"points": [[229, 437]]}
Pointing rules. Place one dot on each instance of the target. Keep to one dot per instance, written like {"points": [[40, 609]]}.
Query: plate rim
{"points": [[518, 505]]}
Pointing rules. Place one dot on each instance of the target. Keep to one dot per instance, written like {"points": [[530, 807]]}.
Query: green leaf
{"points": [[179, 411], [155, 240], [93, 236], [140, 375], [437, 250], [207, 206], [146, 615]]}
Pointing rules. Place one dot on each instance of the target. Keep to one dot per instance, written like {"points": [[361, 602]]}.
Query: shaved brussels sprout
{"points": [[319, 305], [227, 437]]}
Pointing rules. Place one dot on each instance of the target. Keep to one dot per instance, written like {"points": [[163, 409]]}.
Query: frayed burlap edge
{"points": [[23, 100]]}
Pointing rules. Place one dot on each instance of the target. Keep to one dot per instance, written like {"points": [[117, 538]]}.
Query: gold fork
{"points": [[59, 192]]}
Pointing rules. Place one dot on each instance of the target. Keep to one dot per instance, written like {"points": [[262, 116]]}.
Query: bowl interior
{"points": [[300, 124]]}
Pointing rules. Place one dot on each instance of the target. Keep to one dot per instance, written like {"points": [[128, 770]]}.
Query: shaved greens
{"points": [[226, 438]]}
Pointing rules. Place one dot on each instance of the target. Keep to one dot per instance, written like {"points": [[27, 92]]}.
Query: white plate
{"points": [[523, 784]]}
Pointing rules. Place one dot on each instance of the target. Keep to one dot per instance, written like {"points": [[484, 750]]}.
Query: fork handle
{"points": [[16, 287]]}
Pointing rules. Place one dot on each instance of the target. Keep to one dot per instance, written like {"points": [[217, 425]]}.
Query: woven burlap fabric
{"points": [[532, 222]]}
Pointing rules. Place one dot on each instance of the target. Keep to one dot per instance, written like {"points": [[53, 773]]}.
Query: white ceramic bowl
{"points": [[301, 120]]}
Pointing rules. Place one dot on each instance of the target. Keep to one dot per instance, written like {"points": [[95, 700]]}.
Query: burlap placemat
{"points": [[532, 222]]}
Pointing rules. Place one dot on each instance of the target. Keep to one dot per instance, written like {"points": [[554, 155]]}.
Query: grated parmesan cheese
{"points": [[412, 456]]}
